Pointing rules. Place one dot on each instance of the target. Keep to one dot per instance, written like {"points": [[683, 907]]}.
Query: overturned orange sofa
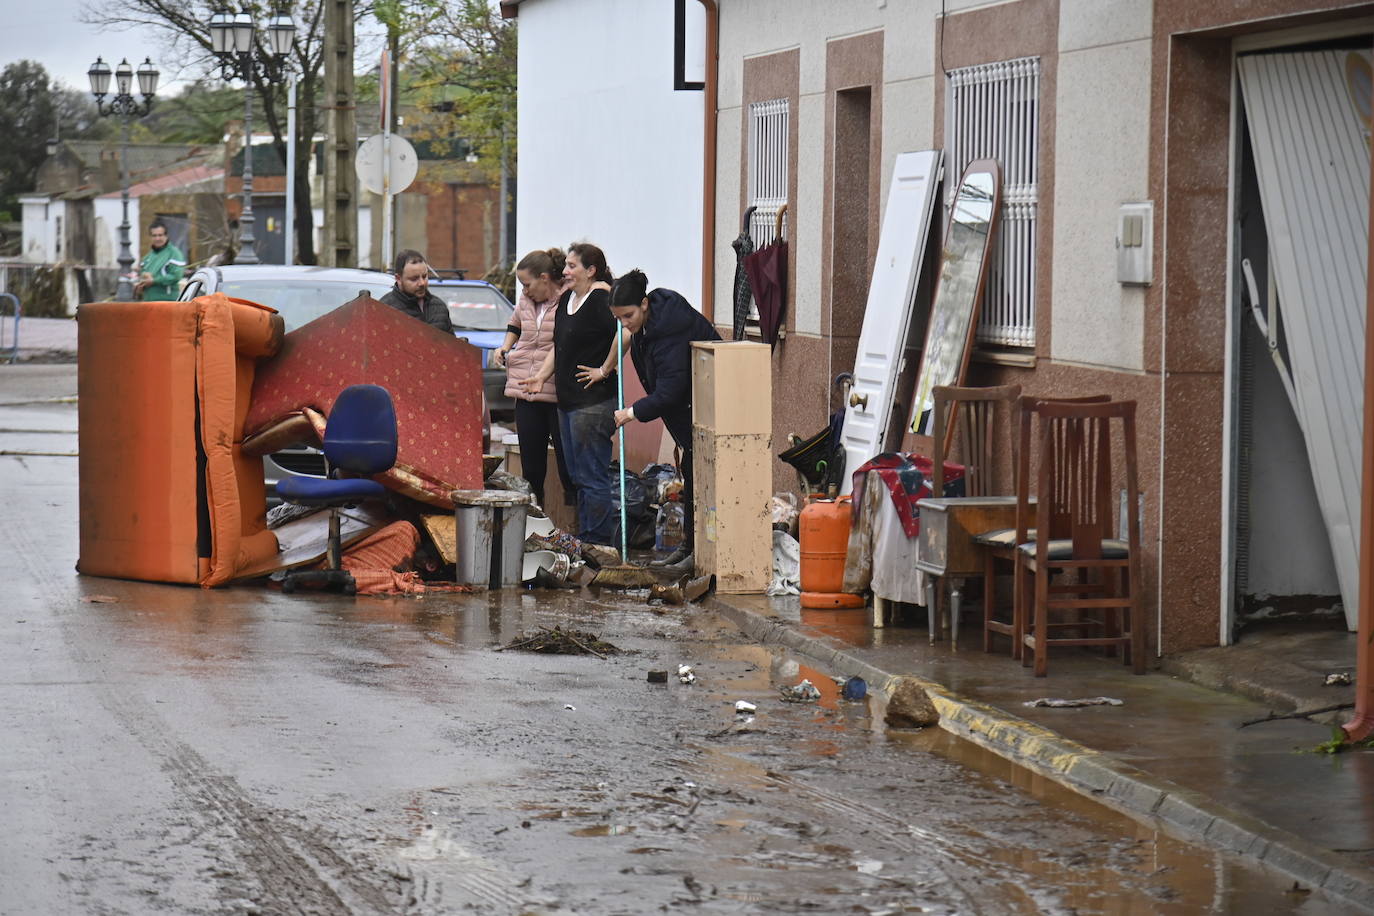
{"points": [[166, 494]]}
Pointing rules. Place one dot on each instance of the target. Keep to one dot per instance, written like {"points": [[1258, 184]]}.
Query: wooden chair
{"points": [[970, 415], [1000, 544], [1074, 533]]}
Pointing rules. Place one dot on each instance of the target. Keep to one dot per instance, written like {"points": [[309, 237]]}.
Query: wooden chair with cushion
{"points": [[1074, 534], [999, 544], [970, 416]]}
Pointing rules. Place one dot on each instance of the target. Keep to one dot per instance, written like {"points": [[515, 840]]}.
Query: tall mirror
{"points": [[963, 273]]}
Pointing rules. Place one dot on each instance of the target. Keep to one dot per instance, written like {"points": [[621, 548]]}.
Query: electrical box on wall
{"points": [[1135, 244]]}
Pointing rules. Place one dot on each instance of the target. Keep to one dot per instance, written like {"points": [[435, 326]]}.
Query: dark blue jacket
{"points": [[662, 352]]}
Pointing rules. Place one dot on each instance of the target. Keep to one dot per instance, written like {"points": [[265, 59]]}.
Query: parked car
{"points": [[480, 313], [301, 294]]}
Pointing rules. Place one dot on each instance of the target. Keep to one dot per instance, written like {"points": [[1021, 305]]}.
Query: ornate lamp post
{"points": [[232, 40], [123, 104]]}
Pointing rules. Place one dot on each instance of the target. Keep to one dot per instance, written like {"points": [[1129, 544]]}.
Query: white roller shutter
{"points": [[1309, 128]]}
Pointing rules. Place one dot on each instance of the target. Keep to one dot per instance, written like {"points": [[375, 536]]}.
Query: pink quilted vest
{"points": [[536, 340]]}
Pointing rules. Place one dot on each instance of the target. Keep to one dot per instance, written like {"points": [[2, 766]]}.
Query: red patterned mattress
{"points": [[435, 381]]}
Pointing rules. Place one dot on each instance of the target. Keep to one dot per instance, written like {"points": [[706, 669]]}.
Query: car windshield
{"points": [[475, 308], [302, 301]]}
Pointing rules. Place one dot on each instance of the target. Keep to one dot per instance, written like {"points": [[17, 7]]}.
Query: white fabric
{"points": [[880, 555], [786, 565]]}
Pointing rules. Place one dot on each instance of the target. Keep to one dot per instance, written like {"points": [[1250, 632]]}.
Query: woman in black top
{"points": [[583, 325]]}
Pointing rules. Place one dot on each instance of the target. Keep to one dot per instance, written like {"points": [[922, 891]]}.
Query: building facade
{"points": [[1096, 110]]}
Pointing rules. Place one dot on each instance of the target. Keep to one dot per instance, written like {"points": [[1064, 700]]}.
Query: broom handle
{"points": [[620, 434]]}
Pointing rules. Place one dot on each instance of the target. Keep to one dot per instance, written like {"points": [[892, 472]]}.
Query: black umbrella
{"points": [[767, 270], [744, 246]]}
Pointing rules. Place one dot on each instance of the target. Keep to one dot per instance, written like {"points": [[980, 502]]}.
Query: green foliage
{"points": [[197, 115], [1338, 743], [34, 109], [464, 79], [182, 28]]}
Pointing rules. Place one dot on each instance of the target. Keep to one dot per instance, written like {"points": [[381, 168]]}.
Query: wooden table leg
{"points": [[956, 601], [932, 609]]}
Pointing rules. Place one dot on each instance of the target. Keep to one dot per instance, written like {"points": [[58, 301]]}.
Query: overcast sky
{"points": [[50, 32]]}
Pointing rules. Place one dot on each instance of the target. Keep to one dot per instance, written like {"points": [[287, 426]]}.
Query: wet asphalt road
{"points": [[171, 750]]}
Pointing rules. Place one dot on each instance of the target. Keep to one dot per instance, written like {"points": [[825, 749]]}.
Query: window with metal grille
{"points": [[768, 140], [993, 112]]}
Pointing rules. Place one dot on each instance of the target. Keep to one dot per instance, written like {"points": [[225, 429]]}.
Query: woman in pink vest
{"points": [[529, 339]]}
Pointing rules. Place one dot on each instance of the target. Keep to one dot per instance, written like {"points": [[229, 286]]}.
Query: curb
{"points": [[1196, 817]]}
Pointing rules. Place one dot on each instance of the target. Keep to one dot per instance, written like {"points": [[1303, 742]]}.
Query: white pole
{"points": [[290, 251], [387, 90]]}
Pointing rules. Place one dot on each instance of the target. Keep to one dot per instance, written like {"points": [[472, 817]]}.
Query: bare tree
{"points": [[184, 26]]}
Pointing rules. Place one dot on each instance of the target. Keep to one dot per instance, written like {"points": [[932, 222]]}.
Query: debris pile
{"points": [[558, 641]]}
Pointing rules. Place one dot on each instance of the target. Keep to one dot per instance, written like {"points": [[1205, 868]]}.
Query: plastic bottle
{"points": [[668, 526]]}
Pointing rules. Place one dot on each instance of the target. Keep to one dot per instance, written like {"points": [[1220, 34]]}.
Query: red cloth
{"points": [[907, 478], [435, 381], [373, 561]]}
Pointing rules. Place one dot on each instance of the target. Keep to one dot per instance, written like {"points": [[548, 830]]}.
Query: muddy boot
{"points": [[696, 589], [668, 594], [676, 558]]}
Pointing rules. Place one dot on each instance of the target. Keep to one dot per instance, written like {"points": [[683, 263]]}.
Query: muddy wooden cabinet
{"points": [[732, 419]]}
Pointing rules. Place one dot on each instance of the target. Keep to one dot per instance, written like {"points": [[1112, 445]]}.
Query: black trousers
{"points": [[536, 425]]}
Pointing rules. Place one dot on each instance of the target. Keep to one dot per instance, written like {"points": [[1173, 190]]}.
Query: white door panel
{"points": [[906, 224]]}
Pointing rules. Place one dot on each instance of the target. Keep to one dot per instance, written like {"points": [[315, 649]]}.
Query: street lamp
{"points": [[232, 41], [123, 104]]}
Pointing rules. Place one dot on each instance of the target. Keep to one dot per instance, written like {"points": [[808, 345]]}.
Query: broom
{"points": [[626, 575]]}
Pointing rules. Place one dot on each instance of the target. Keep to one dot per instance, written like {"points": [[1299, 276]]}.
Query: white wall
{"points": [[108, 215], [1102, 148], [364, 233], [37, 229], [609, 152]]}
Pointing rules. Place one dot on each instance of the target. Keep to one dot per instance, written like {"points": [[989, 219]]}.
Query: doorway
{"points": [[851, 251], [1294, 266]]}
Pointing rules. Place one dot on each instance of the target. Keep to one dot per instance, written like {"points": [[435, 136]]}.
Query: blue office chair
{"points": [[360, 438]]}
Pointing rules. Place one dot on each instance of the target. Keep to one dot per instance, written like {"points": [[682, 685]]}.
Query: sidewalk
{"points": [[40, 339], [1173, 753]]}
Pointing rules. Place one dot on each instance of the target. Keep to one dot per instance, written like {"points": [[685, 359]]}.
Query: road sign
{"points": [[371, 159]]}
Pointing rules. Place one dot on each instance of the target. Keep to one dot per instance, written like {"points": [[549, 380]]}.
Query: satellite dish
{"points": [[371, 162]]}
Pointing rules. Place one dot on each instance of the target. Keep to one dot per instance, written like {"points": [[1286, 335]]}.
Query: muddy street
{"points": [[172, 750]]}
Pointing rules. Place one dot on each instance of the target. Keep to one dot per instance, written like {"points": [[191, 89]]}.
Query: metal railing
{"points": [[769, 134]]}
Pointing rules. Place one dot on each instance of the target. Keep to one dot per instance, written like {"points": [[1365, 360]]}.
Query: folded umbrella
{"points": [[744, 246], [767, 271]]}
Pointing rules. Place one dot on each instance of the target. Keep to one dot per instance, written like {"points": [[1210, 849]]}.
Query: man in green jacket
{"points": [[160, 274]]}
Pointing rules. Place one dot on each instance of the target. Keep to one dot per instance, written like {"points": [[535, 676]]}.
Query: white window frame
{"points": [[992, 111], [769, 141]]}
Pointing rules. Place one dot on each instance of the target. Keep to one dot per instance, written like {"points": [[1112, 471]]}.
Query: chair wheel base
{"points": [[340, 580]]}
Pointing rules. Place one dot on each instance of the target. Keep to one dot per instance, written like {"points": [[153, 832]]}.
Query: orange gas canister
{"points": [[823, 533]]}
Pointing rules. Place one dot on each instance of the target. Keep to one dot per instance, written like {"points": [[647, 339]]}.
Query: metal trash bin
{"points": [[490, 529]]}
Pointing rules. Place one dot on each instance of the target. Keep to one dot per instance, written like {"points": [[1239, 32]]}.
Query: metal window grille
{"points": [[768, 143], [993, 112]]}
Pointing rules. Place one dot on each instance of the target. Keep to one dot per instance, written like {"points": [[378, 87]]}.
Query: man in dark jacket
{"points": [[662, 326], [411, 293]]}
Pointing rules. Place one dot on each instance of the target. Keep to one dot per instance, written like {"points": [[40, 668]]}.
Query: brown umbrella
{"points": [[767, 270]]}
